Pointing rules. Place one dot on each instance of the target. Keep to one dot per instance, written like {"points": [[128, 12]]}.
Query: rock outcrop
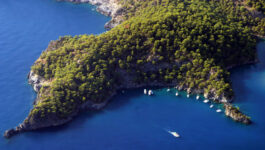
{"points": [[14, 131], [37, 122], [235, 114], [114, 9], [35, 80], [111, 8], [51, 119]]}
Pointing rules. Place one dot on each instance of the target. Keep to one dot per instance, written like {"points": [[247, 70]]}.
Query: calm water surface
{"points": [[132, 121]]}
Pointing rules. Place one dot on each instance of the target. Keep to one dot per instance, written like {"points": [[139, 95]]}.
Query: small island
{"points": [[187, 44]]}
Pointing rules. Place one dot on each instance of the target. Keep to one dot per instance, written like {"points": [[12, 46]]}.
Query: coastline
{"points": [[37, 82], [110, 8]]}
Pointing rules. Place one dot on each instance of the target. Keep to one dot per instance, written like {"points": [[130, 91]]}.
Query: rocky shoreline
{"points": [[235, 114], [37, 82], [111, 8]]}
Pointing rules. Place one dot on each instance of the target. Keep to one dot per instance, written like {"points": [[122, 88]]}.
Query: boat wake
{"points": [[175, 134]]}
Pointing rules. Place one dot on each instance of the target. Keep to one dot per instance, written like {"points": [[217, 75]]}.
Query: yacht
{"points": [[150, 92], [175, 134], [206, 101], [218, 110], [145, 91]]}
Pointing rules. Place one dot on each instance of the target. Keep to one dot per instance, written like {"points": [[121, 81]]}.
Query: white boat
{"points": [[188, 95], [150, 92], [145, 91], [197, 97], [177, 94], [168, 90], [218, 110], [206, 101], [175, 134], [211, 106]]}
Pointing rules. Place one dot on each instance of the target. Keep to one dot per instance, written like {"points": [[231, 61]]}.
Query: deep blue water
{"points": [[132, 121]]}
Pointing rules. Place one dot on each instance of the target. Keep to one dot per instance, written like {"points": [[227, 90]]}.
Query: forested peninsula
{"points": [[188, 44]]}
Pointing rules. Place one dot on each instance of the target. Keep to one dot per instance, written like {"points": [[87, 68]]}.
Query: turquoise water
{"points": [[132, 121]]}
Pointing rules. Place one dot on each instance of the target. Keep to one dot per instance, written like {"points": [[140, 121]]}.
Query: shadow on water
{"points": [[122, 99], [238, 75], [79, 119], [117, 102], [245, 72]]}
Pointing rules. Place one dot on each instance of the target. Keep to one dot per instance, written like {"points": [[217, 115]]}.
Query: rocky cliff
{"points": [[33, 122], [111, 8], [235, 114], [90, 69]]}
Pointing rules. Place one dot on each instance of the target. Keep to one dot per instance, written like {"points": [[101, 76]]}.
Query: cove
{"points": [[132, 120]]}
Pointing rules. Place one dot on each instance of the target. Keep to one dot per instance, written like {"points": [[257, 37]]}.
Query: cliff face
{"points": [[235, 114], [84, 72], [111, 8], [33, 122], [36, 121], [36, 81]]}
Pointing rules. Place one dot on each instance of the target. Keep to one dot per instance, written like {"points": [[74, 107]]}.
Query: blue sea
{"points": [[132, 120]]}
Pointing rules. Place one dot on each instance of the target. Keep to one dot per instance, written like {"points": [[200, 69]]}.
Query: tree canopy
{"points": [[192, 42]]}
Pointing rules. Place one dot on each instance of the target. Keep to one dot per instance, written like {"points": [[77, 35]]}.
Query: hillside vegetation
{"points": [[257, 4], [190, 42]]}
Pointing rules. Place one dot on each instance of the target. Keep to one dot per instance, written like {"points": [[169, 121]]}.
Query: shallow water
{"points": [[132, 120]]}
